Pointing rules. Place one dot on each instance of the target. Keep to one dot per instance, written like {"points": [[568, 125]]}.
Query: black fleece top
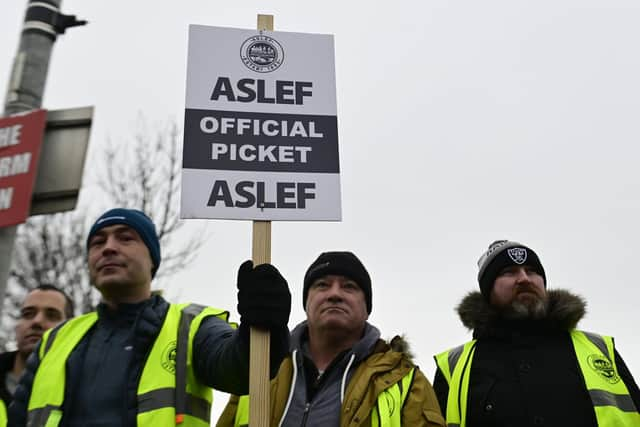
{"points": [[316, 398], [6, 365]]}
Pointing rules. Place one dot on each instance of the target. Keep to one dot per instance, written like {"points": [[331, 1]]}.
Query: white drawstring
{"points": [[294, 360], [344, 378]]}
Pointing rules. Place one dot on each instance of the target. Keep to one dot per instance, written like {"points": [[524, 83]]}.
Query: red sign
{"points": [[20, 140]]}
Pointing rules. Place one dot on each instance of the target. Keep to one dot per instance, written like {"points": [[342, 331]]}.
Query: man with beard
{"points": [[339, 372], [527, 364], [43, 308]]}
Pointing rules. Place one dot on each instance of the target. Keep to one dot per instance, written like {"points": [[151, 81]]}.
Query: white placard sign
{"points": [[260, 130]]}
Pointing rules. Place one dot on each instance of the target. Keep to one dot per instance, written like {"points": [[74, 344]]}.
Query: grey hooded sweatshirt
{"points": [[316, 398]]}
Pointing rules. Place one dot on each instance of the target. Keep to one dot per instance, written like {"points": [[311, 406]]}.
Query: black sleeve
{"points": [[626, 376], [441, 387], [221, 355], [17, 412]]}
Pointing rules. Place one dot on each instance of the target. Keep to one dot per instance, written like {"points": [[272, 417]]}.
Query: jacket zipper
{"points": [[305, 414]]}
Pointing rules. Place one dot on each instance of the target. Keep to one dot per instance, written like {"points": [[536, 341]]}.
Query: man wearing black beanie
{"points": [[340, 372], [140, 360], [527, 364]]}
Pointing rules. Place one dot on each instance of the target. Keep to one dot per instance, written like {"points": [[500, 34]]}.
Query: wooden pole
{"points": [[259, 339], [259, 357]]}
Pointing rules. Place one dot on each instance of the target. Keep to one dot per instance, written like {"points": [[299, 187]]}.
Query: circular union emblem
{"points": [[168, 361], [261, 54], [603, 367]]}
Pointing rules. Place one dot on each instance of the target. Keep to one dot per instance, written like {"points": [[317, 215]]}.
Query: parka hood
{"points": [[400, 344], [371, 337], [565, 310]]}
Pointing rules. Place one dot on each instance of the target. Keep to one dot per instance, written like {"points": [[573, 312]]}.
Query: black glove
{"points": [[264, 299]]}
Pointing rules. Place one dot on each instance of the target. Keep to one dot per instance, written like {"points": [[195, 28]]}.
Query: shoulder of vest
{"points": [[193, 310], [589, 333], [457, 349], [592, 336], [49, 336], [76, 320], [448, 360], [79, 321], [604, 343]]}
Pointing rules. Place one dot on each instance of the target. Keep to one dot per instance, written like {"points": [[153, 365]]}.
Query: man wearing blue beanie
{"points": [[138, 221], [140, 360]]}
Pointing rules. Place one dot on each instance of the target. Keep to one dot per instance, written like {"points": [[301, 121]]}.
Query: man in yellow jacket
{"points": [[339, 371], [527, 364], [139, 360]]}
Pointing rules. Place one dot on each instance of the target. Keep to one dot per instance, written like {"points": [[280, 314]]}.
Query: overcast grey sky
{"points": [[460, 122]]}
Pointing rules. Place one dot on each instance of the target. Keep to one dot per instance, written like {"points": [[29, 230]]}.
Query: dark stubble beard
{"points": [[530, 309]]}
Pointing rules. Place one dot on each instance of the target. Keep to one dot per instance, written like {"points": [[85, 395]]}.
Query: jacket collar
{"points": [[361, 349], [565, 310], [144, 318]]}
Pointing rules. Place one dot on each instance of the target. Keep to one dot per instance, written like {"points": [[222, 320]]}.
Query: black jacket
{"points": [[526, 373], [6, 365], [104, 368]]}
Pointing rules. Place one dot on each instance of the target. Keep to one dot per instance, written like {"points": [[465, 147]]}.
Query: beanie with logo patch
{"points": [[339, 263], [500, 255], [138, 221]]}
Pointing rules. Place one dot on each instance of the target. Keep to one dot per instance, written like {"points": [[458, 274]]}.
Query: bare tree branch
{"points": [[143, 173]]}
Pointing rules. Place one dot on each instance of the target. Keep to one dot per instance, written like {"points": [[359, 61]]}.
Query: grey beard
{"points": [[520, 311]]}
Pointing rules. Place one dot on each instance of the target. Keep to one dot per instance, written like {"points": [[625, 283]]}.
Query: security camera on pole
{"points": [[260, 142]]}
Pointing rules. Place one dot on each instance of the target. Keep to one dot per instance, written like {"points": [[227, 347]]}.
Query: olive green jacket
{"points": [[385, 366]]}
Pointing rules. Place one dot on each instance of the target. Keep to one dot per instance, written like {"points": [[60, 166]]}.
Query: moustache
{"points": [[528, 288]]}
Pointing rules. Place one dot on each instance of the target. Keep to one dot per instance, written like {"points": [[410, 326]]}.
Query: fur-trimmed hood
{"points": [[564, 312], [400, 344]]}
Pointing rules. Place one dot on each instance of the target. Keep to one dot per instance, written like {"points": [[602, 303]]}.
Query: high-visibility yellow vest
{"points": [[3, 414], [386, 413], [168, 392], [610, 397], [390, 403]]}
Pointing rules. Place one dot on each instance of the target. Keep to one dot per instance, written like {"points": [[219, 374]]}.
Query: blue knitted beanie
{"points": [[138, 221]]}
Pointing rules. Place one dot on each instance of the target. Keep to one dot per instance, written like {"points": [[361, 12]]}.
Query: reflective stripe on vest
{"points": [[168, 392], [612, 403], [454, 364], [387, 413], [609, 394]]}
